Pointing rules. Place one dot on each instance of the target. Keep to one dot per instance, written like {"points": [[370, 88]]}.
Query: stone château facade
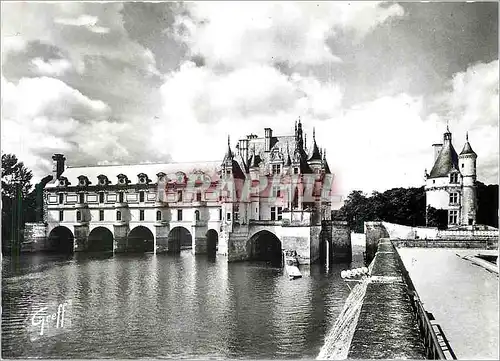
{"points": [[267, 195], [451, 184]]}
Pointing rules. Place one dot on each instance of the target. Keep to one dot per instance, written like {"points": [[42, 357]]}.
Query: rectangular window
{"points": [[179, 214], [454, 178], [158, 215], [276, 168], [141, 196], [101, 215], [454, 198], [61, 216], [118, 215], [120, 197], [220, 214], [228, 216], [236, 216], [295, 170], [101, 197], [280, 213], [78, 216], [198, 197], [273, 213], [141, 214], [82, 197], [452, 216], [276, 191], [179, 196], [61, 198]]}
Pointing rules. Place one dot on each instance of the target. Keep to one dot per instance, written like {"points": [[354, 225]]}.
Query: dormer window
{"points": [[102, 180], [63, 182], [122, 179], [161, 177], [143, 178], [180, 177], [276, 169], [83, 181], [454, 178]]}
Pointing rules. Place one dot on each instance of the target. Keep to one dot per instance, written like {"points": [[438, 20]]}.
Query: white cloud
{"points": [[82, 20], [55, 67], [248, 32], [472, 106]]}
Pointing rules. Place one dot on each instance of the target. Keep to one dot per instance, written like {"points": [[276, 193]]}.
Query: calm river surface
{"points": [[165, 306]]}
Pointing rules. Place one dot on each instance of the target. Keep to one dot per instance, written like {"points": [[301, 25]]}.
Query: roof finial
{"points": [[228, 140], [447, 127], [299, 119], [467, 136], [314, 133]]}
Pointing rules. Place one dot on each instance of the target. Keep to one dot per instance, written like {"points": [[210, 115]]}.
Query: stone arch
{"points": [[212, 241], [179, 238], [265, 246], [140, 239], [100, 240], [61, 240]]}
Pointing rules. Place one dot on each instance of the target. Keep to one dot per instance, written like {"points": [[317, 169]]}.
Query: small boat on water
{"points": [[292, 265]]}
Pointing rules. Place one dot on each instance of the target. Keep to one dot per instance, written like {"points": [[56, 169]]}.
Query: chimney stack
{"points": [[268, 136], [58, 165], [437, 149]]}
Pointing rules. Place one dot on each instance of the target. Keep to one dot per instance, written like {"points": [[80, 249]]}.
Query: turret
{"points": [[467, 165], [315, 159]]}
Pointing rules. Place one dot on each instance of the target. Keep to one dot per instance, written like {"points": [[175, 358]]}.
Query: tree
{"points": [[16, 185], [487, 201], [398, 205], [437, 218]]}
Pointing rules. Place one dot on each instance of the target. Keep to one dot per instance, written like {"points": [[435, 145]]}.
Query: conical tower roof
{"points": [[467, 148], [229, 154], [315, 154], [446, 160]]}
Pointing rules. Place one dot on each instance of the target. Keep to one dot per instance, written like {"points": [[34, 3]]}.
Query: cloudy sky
{"points": [[156, 82]]}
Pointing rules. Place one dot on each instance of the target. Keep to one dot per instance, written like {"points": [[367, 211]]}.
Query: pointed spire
{"points": [[229, 153], [467, 149], [315, 154]]}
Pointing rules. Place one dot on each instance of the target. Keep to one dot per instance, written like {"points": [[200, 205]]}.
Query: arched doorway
{"points": [[179, 238], [140, 239], [266, 247], [61, 240], [212, 241], [100, 240]]}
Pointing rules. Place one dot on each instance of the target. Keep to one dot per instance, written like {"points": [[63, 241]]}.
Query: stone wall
{"points": [[35, 237], [446, 243], [373, 231], [341, 241]]}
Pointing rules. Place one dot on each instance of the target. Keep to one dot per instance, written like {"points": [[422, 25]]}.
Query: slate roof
{"points": [[445, 162], [132, 171], [467, 149]]}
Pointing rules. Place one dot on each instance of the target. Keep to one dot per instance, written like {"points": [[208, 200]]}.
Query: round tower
{"points": [[467, 166]]}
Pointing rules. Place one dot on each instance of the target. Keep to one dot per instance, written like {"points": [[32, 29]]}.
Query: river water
{"points": [[165, 306]]}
